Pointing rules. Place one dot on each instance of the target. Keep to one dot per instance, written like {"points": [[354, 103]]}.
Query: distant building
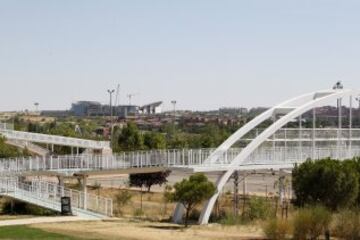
{"points": [[152, 108], [55, 113], [86, 108], [233, 111]]}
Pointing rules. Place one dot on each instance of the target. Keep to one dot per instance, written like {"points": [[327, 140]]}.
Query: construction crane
{"points": [[130, 96]]}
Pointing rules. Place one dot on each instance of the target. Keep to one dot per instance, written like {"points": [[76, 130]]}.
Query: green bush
{"points": [[328, 182], [231, 219], [138, 212], [122, 199], [347, 225], [276, 229], [25, 209], [310, 223], [258, 209]]}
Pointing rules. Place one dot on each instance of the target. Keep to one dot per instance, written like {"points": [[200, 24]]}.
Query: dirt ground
{"points": [[139, 230]]}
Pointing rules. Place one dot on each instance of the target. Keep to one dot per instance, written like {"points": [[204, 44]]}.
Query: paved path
{"points": [[27, 221]]}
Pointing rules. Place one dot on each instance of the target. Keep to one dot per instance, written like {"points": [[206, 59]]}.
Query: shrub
{"points": [[310, 223], [25, 208], [231, 219], [258, 208], [138, 212], [276, 229], [347, 225], [121, 199], [328, 182]]}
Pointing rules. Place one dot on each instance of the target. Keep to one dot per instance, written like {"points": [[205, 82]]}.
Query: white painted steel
{"points": [[300, 106], [54, 139], [48, 195]]}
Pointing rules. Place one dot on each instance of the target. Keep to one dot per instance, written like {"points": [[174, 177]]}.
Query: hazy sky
{"points": [[205, 54]]}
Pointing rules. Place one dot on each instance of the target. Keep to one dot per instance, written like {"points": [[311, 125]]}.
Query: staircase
{"points": [[48, 195]]}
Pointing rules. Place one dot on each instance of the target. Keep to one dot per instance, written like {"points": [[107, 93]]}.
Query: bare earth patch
{"points": [[131, 230]]}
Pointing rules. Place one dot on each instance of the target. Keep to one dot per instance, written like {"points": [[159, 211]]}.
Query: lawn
{"points": [[24, 232]]}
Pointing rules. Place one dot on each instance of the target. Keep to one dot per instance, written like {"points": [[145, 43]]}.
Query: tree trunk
{"points": [[141, 199], [186, 217]]}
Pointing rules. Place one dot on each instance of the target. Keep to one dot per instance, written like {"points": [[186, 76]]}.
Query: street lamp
{"points": [[358, 100], [36, 104], [338, 85], [111, 110], [173, 102]]}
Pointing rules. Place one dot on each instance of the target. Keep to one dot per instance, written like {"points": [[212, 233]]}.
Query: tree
{"points": [[121, 199], [130, 138], [329, 182], [192, 191], [7, 151], [154, 140], [148, 179], [212, 136]]}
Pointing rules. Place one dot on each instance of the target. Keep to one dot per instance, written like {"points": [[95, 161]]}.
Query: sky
{"points": [[204, 54]]}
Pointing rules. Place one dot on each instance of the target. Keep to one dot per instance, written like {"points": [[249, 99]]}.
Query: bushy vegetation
{"points": [[311, 222], [347, 225], [122, 199], [23, 208], [332, 183], [130, 138], [7, 151], [258, 209], [277, 229], [193, 191]]}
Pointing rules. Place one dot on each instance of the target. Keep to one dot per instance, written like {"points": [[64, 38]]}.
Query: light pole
{"points": [[173, 102], [358, 100], [111, 110], [339, 86], [36, 106]]}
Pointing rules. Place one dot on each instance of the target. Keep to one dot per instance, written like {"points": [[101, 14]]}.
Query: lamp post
{"points": [[111, 110], [36, 104], [173, 102], [358, 100]]}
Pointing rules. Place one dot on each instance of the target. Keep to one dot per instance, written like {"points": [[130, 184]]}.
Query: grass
{"points": [[24, 232]]}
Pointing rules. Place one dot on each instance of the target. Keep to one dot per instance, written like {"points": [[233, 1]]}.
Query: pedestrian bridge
{"points": [[276, 147], [7, 131]]}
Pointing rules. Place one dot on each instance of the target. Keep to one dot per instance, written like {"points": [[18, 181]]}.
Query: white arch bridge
{"points": [[279, 146]]}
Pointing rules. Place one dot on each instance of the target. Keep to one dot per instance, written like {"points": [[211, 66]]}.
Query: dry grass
{"points": [[132, 230]]}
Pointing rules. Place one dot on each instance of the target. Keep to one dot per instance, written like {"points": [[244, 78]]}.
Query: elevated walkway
{"points": [[48, 195], [31, 147], [54, 139]]}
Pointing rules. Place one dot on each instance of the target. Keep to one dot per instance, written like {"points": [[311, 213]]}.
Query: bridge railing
{"points": [[54, 139], [307, 134], [6, 126], [50, 194], [185, 158]]}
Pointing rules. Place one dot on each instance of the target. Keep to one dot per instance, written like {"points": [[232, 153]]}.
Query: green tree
{"points": [[153, 140], [130, 138], [212, 136], [7, 151], [147, 180], [328, 182], [192, 191]]}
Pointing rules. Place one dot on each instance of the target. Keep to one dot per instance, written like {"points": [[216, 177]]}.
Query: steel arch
{"points": [[291, 109]]}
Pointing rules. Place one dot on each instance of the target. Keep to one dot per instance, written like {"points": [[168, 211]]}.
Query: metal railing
{"points": [[178, 158], [49, 195], [6, 126], [309, 134], [54, 139]]}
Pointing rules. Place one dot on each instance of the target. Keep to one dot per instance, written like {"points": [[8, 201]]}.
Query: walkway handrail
{"points": [[48, 193]]}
